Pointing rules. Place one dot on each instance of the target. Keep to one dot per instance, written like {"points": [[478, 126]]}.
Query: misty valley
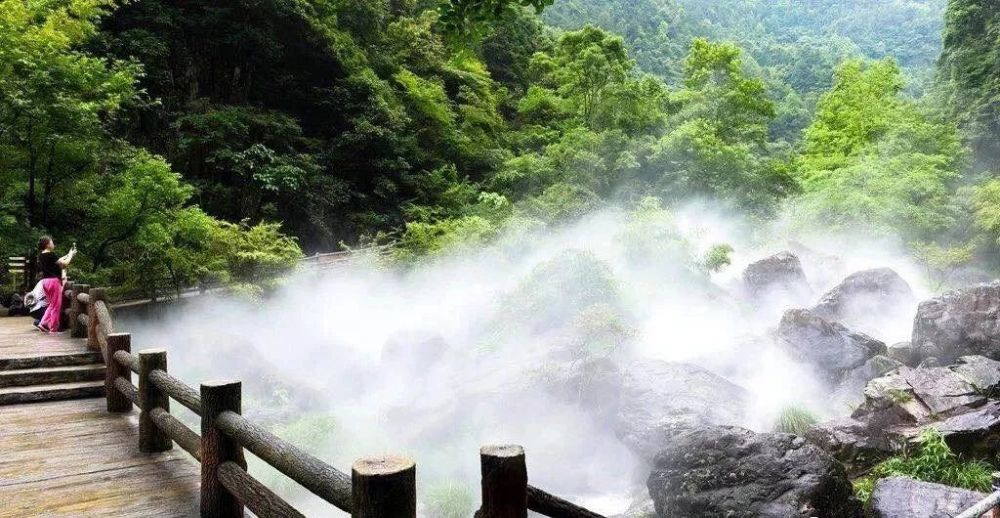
{"points": [[500, 258]]}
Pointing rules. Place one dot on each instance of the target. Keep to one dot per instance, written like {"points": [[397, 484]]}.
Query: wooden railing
{"points": [[377, 487]]}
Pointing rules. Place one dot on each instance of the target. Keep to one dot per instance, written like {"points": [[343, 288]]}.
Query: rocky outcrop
{"points": [[660, 400], [901, 497], [960, 323], [905, 352], [899, 405], [716, 471], [778, 275], [866, 299], [830, 347]]}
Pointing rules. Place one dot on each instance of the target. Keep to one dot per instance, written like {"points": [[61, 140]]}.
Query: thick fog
{"points": [[511, 344]]}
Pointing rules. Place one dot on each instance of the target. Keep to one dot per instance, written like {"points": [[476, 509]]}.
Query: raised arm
{"points": [[66, 259]]}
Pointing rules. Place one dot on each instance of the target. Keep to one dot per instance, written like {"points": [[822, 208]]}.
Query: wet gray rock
{"points": [[728, 471], [829, 346], [905, 352], [660, 400], [859, 443], [865, 299], [960, 323], [780, 274], [980, 372], [900, 404], [901, 497], [850, 390]]}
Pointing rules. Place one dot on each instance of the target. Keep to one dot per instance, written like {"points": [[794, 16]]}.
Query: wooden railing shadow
{"points": [[377, 487]]}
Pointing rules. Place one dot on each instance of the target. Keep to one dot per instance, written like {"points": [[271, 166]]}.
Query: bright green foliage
{"points": [[717, 258], [794, 420], [986, 206], [877, 161], [932, 462], [970, 74], [465, 17], [719, 142]]}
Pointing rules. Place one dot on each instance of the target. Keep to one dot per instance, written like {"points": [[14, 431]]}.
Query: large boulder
{"points": [[960, 323], [830, 347], [858, 443], [901, 497], [779, 275], [728, 471], [867, 300], [660, 400], [902, 403]]}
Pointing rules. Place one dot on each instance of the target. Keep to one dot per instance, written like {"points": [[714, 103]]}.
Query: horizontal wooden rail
{"points": [[261, 500], [315, 475], [377, 487], [177, 390], [128, 361], [127, 389], [185, 437], [550, 505]]}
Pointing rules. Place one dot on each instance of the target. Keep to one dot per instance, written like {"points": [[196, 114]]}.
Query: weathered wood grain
{"points": [[256, 496], [315, 475], [73, 458], [504, 482]]}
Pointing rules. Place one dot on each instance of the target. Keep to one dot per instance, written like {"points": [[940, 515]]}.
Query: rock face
{"points": [[897, 406], [901, 497], [905, 353], [717, 471], [660, 400], [831, 347], [865, 299], [781, 274], [960, 323]]}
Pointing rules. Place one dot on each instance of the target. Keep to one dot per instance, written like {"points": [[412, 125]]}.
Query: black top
{"points": [[48, 264]]}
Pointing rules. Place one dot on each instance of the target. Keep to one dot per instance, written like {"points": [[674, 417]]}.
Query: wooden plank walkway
{"points": [[73, 458]]}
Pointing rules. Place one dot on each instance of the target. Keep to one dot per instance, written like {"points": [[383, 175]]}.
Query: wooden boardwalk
{"points": [[72, 457]]}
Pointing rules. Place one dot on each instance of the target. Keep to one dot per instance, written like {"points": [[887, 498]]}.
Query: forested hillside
{"points": [[186, 138]]}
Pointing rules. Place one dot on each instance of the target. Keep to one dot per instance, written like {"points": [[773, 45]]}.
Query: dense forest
{"points": [[194, 141]]}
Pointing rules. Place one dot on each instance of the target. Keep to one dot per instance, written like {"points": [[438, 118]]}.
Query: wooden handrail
{"points": [[261, 500], [187, 438], [315, 475], [550, 505], [177, 390], [227, 487]]}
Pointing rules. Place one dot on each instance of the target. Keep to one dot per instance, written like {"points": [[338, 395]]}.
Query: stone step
{"points": [[61, 391], [51, 375], [51, 360]]}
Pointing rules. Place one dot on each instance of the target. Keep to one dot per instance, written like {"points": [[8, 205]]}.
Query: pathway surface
{"points": [[72, 457]]}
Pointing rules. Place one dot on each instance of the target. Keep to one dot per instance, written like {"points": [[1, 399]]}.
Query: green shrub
{"points": [[933, 461], [794, 420]]}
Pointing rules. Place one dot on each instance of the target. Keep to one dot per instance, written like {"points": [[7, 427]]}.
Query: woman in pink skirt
{"points": [[52, 281]]}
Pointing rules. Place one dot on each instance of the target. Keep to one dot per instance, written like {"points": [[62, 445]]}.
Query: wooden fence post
{"points": [[505, 482], [74, 311], [151, 438], [384, 487], [76, 330], [216, 448], [117, 402], [96, 294]]}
